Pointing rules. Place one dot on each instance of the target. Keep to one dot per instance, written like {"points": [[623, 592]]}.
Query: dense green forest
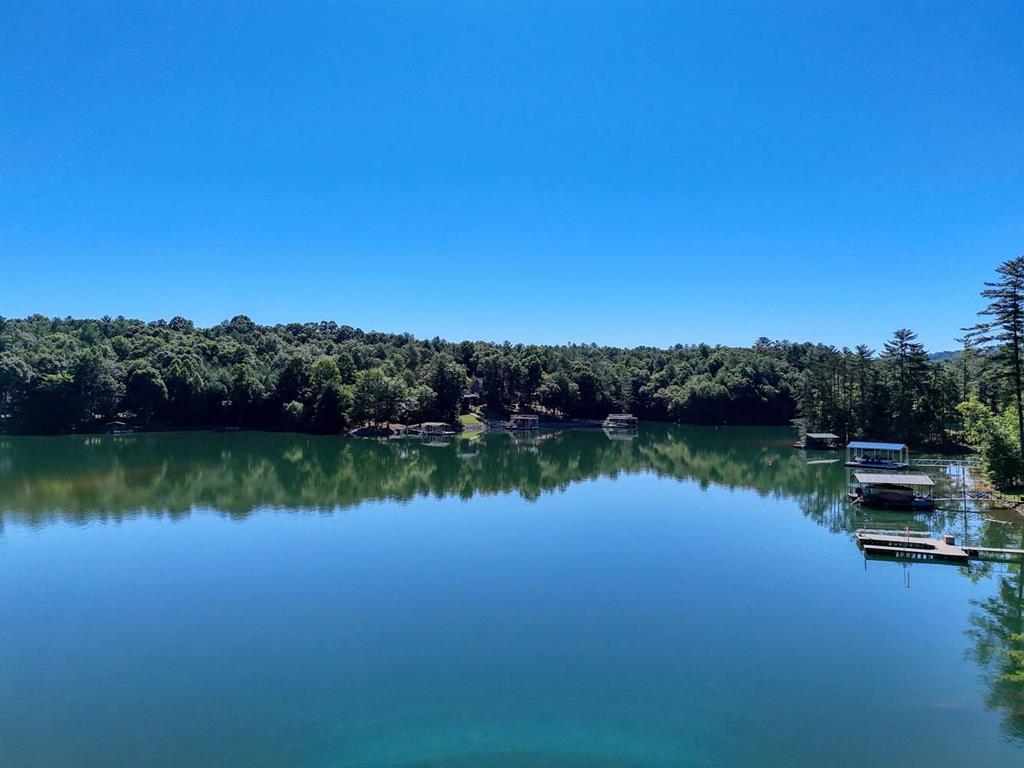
{"points": [[66, 375]]}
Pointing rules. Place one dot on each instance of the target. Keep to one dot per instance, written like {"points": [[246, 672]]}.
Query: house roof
{"points": [[879, 478], [877, 446]]}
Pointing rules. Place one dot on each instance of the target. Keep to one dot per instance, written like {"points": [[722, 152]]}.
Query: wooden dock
{"points": [[913, 545], [910, 547]]}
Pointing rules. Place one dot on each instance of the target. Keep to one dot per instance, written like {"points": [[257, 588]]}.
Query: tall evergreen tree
{"points": [[1004, 328], [908, 362], [966, 360], [864, 386]]}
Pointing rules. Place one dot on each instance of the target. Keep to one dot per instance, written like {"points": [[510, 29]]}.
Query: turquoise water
{"points": [[691, 597]]}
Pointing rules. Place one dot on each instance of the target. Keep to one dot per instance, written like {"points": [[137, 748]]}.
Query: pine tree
{"points": [[966, 360], [1005, 328], [865, 388], [908, 361]]}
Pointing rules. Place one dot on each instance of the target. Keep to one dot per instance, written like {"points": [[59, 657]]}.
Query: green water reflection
{"points": [[82, 478], [69, 482]]}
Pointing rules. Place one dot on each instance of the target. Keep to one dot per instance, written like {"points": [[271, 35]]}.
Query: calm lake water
{"points": [[690, 597]]}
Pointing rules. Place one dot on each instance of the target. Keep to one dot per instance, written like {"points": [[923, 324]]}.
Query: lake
{"points": [[688, 597]]}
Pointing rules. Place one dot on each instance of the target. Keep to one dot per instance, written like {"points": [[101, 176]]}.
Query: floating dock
{"points": [[920, 546], [911, 547]]}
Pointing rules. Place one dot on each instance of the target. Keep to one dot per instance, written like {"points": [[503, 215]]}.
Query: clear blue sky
{"points": [[626, 173]]}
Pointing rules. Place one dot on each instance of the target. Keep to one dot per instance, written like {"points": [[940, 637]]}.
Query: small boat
{"points": [[888, 491]]}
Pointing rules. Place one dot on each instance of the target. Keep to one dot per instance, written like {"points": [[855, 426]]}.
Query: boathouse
{"points": [[524, 421], [864, 453], [819, 441], [435, 428], [883, 490], [620, 421]]}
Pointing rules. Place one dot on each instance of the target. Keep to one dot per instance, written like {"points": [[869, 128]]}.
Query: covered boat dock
{"points": [[818, 441], [620, 421], [891, 491], [865, 453], [524, 422]]}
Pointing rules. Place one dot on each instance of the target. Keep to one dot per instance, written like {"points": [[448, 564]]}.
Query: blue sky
{"points": [[626, 173]]}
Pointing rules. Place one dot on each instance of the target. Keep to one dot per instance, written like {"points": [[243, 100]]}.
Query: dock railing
{"points": [[968, 463]]}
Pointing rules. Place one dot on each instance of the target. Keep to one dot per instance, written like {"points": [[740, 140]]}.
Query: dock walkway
{"points": [[910, 547], [967, 463], [914, 545]]}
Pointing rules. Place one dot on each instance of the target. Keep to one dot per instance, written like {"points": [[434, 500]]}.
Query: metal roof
{"points": [[879, 478], [822, 436], [877, 446]]}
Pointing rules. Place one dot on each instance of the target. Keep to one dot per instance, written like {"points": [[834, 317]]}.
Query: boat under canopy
{"points": [[866, 453], [892, 491]]}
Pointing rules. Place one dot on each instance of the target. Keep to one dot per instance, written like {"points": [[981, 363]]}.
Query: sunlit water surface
{"points": [[690, 597]]}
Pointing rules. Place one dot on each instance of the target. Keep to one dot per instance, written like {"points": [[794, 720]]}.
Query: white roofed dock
{"points": [[885, 478]]}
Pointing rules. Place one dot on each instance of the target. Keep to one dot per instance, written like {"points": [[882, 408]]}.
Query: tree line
{"points": [[66, 375], [61, 375]]}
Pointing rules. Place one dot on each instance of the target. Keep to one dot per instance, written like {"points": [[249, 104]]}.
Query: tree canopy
{"points": [[66, 375]]}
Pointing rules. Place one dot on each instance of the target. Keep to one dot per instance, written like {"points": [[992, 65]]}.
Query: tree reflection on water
{"points": [[997, 633], [82, 478], [79, 479]]}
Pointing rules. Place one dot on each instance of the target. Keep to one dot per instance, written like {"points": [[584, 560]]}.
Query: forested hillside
{"points": [[64, 375]]}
